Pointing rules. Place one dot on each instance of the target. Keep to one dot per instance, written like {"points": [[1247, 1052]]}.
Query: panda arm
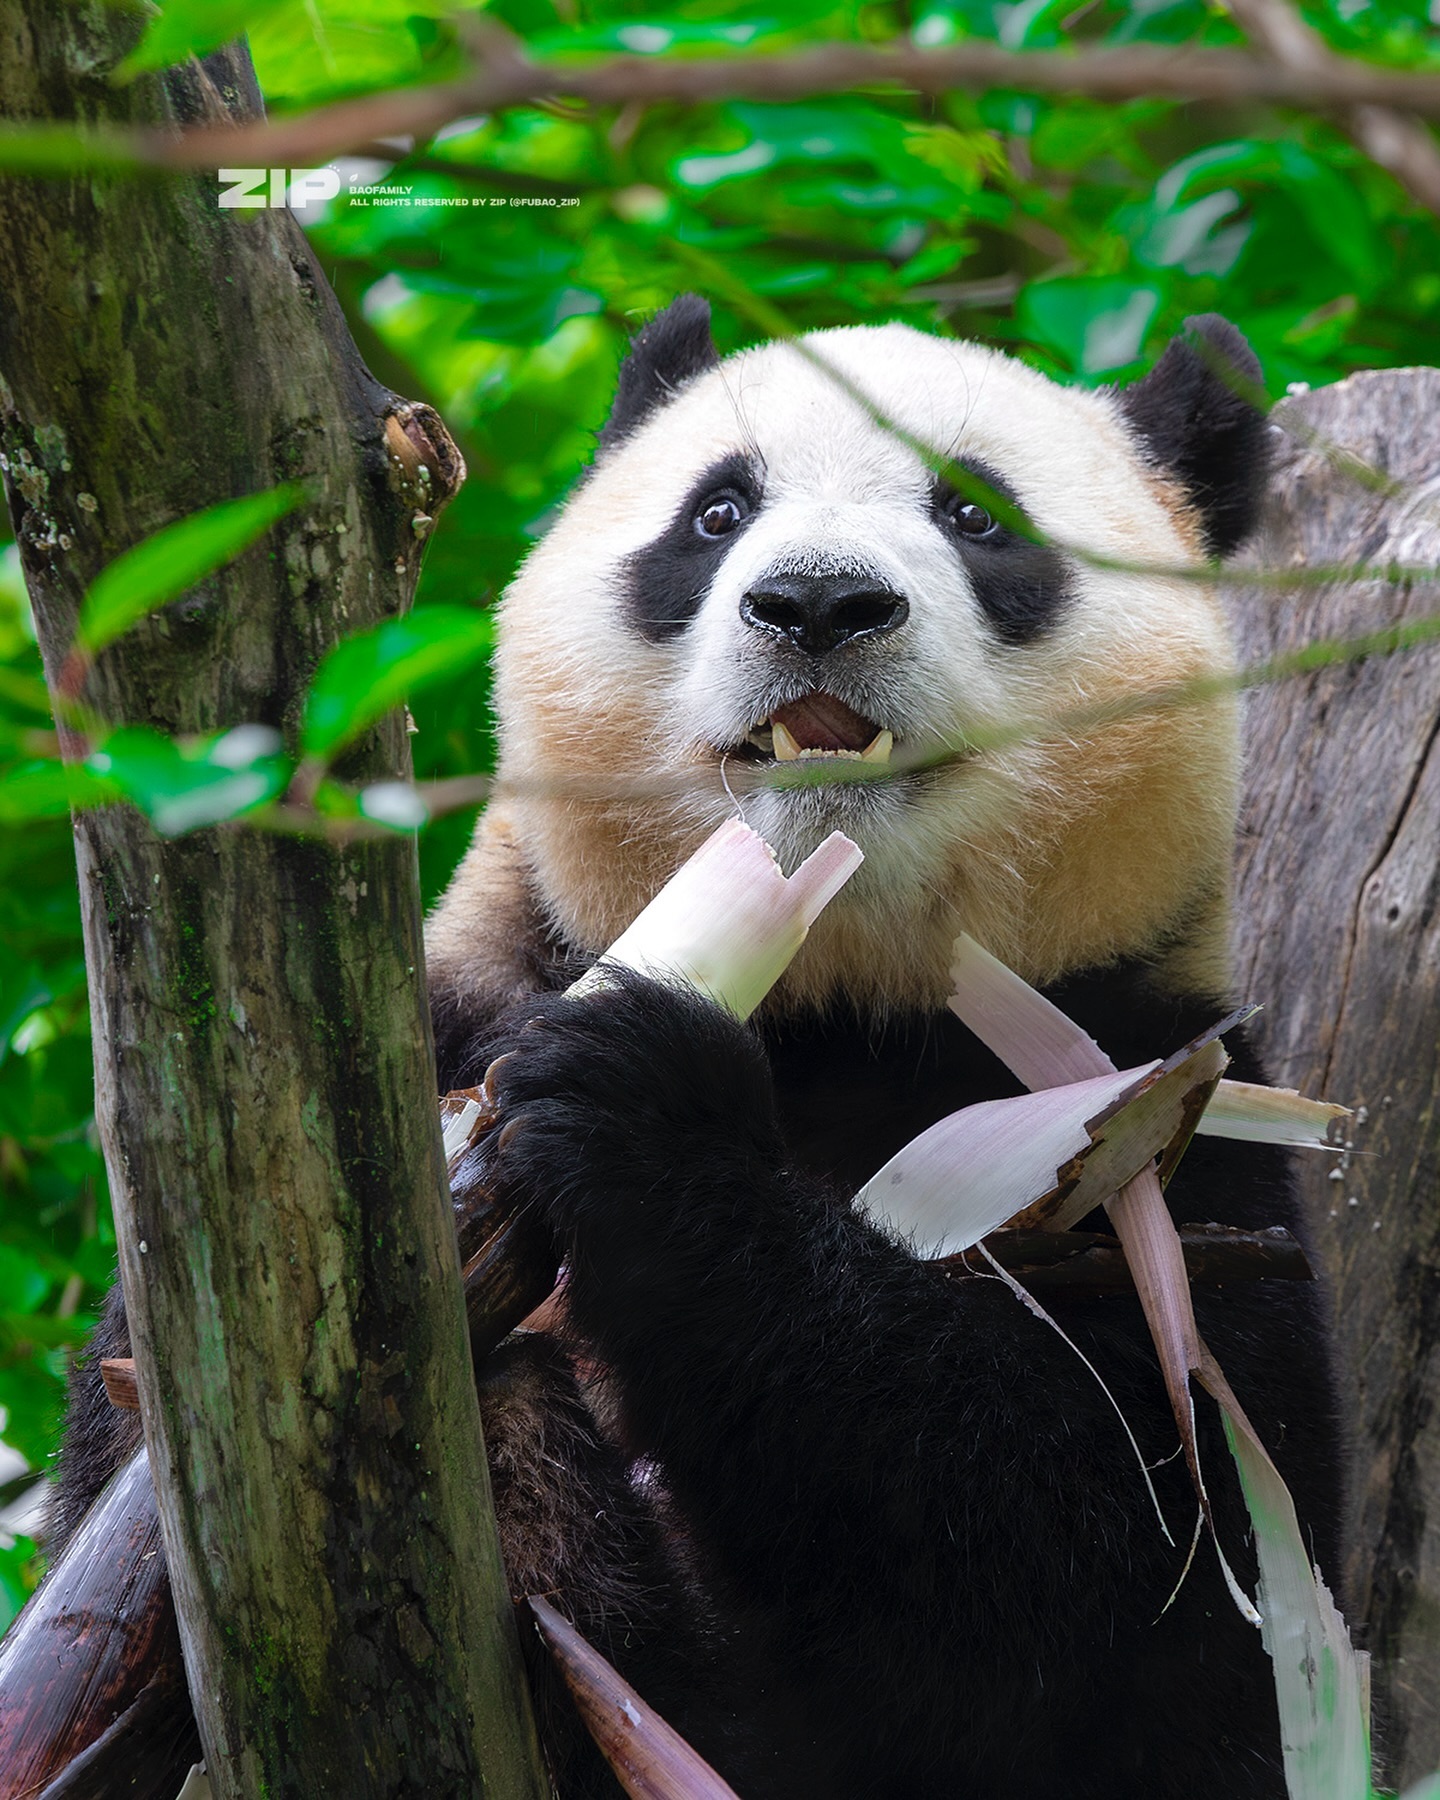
{"points": [[858, 1444]]}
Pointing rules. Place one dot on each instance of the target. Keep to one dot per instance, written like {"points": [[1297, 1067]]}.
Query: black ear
{"points": [[672, 349], [1199, 413]]}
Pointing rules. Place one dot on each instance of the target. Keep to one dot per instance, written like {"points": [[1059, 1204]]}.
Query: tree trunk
{"points": [[1340, 937], [263, 1061]]}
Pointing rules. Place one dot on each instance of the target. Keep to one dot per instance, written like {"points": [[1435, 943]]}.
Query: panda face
{"points": [[760, 577]]}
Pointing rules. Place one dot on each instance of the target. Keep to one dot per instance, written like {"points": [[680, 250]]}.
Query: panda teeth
{"points": [[788, 750], [785, 748]]}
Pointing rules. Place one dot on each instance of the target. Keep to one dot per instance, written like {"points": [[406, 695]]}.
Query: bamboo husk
{"points": [[98, 1633]]}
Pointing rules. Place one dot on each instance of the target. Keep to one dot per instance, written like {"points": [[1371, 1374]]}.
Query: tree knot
{"points": [[426, 468]]}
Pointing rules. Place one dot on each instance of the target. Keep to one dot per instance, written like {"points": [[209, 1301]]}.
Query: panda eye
{"points": [[720, 515], [971, 519]]}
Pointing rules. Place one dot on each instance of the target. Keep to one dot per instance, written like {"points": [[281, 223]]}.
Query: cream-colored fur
{"points": [[1066, 844]]}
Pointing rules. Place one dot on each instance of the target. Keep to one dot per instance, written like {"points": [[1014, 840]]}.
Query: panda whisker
{"points": [[747, 430], [725, 783]]}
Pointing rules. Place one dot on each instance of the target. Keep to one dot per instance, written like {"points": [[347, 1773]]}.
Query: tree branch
{"points": [[1394, 139], [506, 78]]}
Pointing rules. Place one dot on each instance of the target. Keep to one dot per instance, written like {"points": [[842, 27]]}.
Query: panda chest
{"points": [[850, 1097]]}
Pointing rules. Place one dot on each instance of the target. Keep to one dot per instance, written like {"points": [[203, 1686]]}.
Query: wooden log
{"points": [[1339, 933], [97, 1636]]}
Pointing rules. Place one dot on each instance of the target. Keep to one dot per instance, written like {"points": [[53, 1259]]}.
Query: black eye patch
{"points": [[666, 581], [1021, 586]]}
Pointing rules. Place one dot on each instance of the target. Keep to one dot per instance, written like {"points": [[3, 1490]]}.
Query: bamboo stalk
{"points": [[1092, 1262], [99, 1633], [650, 1759], [141, 1755]]}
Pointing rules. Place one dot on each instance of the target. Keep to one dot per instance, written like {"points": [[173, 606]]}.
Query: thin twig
{"points": [[507, 78]]}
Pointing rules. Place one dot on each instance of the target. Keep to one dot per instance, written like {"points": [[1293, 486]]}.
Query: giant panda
{"points": [[859, 1530]]}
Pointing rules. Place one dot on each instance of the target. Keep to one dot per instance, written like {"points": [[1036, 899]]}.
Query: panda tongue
{"points": [[821, 722]]}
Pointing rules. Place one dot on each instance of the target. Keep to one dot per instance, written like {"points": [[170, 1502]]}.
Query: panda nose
{"points": [[817, 613]]}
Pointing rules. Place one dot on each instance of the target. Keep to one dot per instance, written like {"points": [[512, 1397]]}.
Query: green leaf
{"points": [[32, 1393], [186, 29], [1096, 324], [174, 559], [371, 672], [48, 790], [182, 786], [321, 48], [23, 991], [23, 1283], [24, 691], [19, 1576]]}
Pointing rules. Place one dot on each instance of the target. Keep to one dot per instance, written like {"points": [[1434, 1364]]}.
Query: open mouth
{"points": [[814, 728]]}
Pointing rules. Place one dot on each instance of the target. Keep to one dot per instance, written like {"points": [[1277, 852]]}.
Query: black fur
{"points": [[908, 1501], [99, 1438], [667, 580], [1200, 414], [1022, 586], [673, 348], [587, 1541]]}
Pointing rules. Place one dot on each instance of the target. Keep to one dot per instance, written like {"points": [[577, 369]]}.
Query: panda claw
{"points": [[488, 1097]]}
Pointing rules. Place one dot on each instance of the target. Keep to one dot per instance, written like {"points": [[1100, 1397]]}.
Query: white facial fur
{"points": [[1066, 845]]}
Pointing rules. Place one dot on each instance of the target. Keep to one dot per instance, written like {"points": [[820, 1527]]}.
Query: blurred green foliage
{"points": [[56, 1242], [1075, 234]]}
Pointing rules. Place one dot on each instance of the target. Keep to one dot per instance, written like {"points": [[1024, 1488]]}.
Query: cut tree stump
{"points": [[1339, 875]]}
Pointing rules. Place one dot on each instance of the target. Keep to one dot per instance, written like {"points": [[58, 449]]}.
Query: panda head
{"points": [[761, 569]]}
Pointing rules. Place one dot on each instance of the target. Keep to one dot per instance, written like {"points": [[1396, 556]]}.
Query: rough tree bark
{"points": [[1340, 934], [265, 1079]]}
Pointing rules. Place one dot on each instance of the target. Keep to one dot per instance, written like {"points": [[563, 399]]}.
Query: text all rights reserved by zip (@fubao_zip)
{"points": [[299, 188]]}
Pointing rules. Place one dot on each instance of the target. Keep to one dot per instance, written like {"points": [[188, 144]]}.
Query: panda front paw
{"points": [[624, 1108]]}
